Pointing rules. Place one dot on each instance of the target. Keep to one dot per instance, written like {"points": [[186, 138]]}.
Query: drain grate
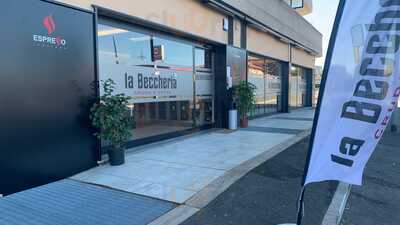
{"points": [[72, 202]]}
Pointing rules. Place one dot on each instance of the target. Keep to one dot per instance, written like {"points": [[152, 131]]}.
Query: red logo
{"points": [[49, 24], [49, 40]]}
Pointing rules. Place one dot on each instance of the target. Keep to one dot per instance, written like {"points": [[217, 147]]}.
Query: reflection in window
{"points": [[204, 87], [125, 47], [177, 55], [106, 43], [297, 87], [265, 74], [256, 76], [125, 52], [273, 86], [202, 58], [133, 48]]}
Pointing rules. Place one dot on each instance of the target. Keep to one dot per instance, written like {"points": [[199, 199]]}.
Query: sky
{"points": [[322, 18]]}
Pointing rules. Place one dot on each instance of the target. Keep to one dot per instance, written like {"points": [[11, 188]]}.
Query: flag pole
{"points": [[327, 64]]}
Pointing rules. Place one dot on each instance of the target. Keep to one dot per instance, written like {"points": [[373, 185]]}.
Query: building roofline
{"points": [[233, 11]]}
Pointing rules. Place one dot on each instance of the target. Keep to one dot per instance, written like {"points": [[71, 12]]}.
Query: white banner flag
{"points": [[361, 90]]}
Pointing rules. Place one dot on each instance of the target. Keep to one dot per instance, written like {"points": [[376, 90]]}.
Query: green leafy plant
{"points": [[245, 98], [109, 116]]}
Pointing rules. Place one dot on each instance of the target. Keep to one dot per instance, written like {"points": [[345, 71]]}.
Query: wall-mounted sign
{"points": [[145, 84], [49, 39], [225, 24], [158, 53], [228, 77], [50, 48]]}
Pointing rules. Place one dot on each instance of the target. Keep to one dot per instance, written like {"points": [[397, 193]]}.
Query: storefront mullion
{"points": [[265, 91]]}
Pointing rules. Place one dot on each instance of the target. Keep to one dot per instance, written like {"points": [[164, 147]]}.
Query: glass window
{"points": [[163, 99], [265, 74], [177, 55], [297, 87], [133, 49], [107, 48], [293, 86], [203, 58], [123, 46], [204, 87], [273, 86], [297, 3], [256, 76]]}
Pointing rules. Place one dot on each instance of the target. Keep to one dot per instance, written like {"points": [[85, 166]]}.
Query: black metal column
{"points": [[230, 30], [309, 87], [221, 93], [285, 87], [243, 34]]}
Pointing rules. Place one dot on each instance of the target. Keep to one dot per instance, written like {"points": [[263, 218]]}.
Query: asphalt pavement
{"points": [[268, 195], [377, 201]]}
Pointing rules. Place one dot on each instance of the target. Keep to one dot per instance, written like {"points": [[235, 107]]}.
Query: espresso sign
{"points": [[47, 69], [361, 90]]}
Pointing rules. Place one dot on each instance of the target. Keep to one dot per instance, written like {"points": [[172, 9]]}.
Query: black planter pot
{"points": [[116, 156]]}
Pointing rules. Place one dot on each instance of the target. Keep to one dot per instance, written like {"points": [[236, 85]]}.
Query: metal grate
{"points": [[72, 202]]}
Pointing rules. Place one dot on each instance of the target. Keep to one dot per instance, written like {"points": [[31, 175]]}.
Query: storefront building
{"points": [[177, 59]]}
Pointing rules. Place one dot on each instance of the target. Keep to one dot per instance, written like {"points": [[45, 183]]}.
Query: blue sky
{"points": [[322, 18]]}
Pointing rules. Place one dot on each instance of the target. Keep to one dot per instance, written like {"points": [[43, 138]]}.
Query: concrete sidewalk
{"points": [[267, 195], [177, 170]]}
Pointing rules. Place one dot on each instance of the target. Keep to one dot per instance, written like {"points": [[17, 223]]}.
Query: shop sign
{"points": [[49, 39], [158, 53], [148, 84]]}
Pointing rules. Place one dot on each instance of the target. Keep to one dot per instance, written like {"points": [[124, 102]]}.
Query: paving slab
{"points": [[281, 123], [299, 113], [176, 170]]}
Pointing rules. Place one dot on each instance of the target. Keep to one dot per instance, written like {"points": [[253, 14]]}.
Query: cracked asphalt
{"points": [[377, 202]]}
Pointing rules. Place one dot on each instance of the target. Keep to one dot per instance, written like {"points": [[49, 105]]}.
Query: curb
{"points": [[335, 211], [175, 216], [221, 184]]}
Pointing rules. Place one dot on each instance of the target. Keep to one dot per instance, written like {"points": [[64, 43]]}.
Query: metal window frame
{"points": [[136, 24]]}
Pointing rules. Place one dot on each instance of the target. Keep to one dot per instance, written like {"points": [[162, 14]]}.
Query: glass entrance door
{"points": [[297, 87], [204, 86], [265, 75]]}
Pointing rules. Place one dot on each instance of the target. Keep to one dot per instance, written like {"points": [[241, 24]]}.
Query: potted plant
{"points": [[245, 99], [109, 117]]}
